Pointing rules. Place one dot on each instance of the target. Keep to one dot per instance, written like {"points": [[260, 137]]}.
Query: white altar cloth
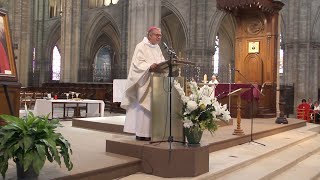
{"points": [[43, 107], [119, 87]]}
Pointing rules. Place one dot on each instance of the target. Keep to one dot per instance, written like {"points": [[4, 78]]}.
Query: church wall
{"points": [[97, 19], [300, 66], [199, 49], [200, 22]]}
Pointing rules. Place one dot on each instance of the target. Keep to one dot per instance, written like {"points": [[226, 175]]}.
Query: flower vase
{"points": [[193, 135]]}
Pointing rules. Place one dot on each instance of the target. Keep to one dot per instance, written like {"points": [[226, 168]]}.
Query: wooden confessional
{"points": [[256, 46]]}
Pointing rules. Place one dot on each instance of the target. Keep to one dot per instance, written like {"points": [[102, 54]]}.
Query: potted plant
{"points": [[201, 111], [29, 142]]}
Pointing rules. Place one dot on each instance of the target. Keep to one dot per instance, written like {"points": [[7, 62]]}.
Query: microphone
{"points": [[170, 51], [165, 45]]}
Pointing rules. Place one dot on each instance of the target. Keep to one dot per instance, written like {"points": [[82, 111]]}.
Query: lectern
{"points": [[163, 98], [238, 92], [160, 108]]}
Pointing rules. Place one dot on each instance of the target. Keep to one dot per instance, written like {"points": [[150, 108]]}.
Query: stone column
{"points": [[20, 15], [39, 70], [142, 14], [300, 65], [198, 50], [122, 66], [70, 40]]}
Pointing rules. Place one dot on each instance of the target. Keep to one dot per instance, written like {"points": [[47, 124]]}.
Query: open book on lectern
{"points": [[176, 64]]}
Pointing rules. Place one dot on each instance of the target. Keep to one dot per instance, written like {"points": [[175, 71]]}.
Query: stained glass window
{"points": [[56, 64], [216, 57], [102, 65]]}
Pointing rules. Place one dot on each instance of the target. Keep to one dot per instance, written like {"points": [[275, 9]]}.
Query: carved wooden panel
{"points": [[256, 52], [254, 69]]}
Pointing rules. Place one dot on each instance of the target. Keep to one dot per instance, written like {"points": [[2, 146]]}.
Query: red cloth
{"points": [[4, 61], [303, 111]]}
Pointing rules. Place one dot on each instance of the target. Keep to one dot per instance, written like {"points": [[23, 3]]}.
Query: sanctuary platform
{"points": [[97, 153], [176, 159]]}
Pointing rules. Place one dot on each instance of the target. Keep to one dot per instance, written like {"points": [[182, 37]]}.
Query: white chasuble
{"points": [[137, 97]]}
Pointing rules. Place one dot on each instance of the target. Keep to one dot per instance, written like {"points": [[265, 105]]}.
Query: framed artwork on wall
{"points": [[7, 64], [253, 47]]}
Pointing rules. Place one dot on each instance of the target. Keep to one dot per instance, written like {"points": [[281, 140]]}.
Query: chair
{"points": [[306, 114], [27, 99]]}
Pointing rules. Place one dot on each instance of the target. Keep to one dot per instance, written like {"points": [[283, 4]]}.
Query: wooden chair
{"points": [[306, 114], [27, 99]]}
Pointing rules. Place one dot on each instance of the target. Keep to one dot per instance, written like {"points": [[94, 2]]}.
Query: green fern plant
{"points": [[30, 141]]}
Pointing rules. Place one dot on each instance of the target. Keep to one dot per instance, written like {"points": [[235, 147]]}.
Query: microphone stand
{"points": [[172, 55], [252, 87]]}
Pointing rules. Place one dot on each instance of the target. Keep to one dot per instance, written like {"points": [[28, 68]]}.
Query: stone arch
{"points": [[173, 27], [222, 24], [103, 31], [283, 28], [54, 37], [315, 35], [99, 22], [215, 20]]}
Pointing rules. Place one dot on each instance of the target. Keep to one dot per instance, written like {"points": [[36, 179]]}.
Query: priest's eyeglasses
{"points": [[158, 35]]}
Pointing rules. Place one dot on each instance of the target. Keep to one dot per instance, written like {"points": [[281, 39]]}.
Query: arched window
{"points": [[55, 8], [56, 64], [102, 65], [33, 59], [109, 2], [281, 57], [215, 62], [100, 3]]}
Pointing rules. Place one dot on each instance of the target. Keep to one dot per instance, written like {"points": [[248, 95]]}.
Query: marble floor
{"points": [[89, 153]]}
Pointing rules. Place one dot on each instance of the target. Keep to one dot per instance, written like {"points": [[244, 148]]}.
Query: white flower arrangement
{"points": [[200, 108]]}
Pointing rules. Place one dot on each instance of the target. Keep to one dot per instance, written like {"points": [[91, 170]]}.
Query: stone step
{"points": [[266, 115], [263, 109], [234, 158], [306, 169], [227, 161], [267, 168]]}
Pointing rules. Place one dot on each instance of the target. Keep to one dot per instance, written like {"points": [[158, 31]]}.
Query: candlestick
{"points": [[205, 78]]}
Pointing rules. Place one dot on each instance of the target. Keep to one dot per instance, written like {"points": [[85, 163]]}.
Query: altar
{"points": [[92, 107]]}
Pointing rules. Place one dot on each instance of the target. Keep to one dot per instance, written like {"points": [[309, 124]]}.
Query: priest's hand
{"points": [[154, 67]]}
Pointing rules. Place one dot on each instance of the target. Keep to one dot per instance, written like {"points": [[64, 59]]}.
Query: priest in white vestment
{"points": [[137, 97], [213, 83]]}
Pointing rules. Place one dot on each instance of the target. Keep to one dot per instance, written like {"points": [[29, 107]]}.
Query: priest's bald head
{"points": [[154, 35]]}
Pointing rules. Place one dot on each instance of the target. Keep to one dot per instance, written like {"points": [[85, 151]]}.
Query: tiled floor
{"points": [[88, 152]]}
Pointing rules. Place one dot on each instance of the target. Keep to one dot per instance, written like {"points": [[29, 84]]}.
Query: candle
{"points": [[205, 77]]}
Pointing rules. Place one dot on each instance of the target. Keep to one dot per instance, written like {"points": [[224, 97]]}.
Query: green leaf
{"points": [[9, 118], [27, 160], [7, 136], [41, 151], [49, 156], [3, 167], [32, 140], [27, 142], [37, 163]]}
